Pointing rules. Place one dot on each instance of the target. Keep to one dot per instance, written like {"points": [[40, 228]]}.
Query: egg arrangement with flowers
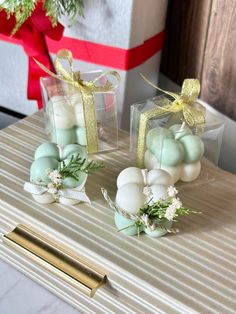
{"points": [[176, 150], [66, 118], [59, 174], [132, 195], [146, 201]]}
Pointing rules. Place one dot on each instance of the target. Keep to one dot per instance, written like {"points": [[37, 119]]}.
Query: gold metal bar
{"points": [[68, 266]]}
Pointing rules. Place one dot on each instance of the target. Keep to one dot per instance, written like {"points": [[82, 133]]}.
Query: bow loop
{"points": [[190, 91]]}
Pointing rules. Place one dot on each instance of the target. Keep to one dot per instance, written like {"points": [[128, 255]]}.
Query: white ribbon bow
{"points": [[76, 193]]}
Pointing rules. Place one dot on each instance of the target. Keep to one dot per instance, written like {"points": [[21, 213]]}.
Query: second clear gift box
{"points": [[177, 135]]}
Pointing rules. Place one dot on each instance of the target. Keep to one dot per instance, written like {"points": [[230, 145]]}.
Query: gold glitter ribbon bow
{"points": [[194, 116], [86, 88]]}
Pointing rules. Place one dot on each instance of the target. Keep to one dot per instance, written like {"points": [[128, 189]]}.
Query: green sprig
{"points": [[23, 9], [76, 165], [158, 209]]}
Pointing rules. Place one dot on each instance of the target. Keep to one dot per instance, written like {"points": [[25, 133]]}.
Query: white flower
{"points": [[55, 177], [144, 219], [176, 202], [172, 191], [170, 212], [147, 191]]}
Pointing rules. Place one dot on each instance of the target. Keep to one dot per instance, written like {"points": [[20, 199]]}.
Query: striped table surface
{"points": [[193, 271]]}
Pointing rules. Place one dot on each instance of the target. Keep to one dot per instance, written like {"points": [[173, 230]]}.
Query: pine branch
{"points": [[76, 165], [23, 9]]}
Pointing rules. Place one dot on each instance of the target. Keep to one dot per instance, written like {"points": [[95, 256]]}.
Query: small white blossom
{"points": [[147, 191], [172, 191], [145, 219], [55, 177], [170, 212], [176, 202], [50, 185]]}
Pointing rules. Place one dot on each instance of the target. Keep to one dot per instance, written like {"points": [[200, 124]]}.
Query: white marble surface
{"points": [[21, 295]]}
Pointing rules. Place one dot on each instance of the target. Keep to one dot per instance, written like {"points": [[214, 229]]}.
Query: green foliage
{"points": [[23, 9], [158, 210], [76, 165]]}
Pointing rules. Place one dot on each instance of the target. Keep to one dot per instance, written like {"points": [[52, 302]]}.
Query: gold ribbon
{"points": [[193, 116], [86, 88]]}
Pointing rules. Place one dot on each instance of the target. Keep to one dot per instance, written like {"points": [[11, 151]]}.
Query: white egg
{"points": [[68, 201], [175, 172], [45, 198], [130, 197], [190, 172], [61, 114], [159, 191], [150, 161], [130, 175], [159, 176], [75, 99], [79, 114]]}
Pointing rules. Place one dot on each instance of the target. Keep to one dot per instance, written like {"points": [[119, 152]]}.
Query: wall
{"points": [[201, 43]]}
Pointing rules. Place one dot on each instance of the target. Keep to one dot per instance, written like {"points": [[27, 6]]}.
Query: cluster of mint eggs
{"points": [[67, 125], [175, 149], [48, 156]]}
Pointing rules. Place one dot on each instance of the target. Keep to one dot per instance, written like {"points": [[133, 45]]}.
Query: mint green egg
{"points": [[81, 138], [122, 222], [74, 149], [179, 131], [156, 136], [39, 169], [70, 183], [63, 136], [159, 231], [170, 152], [193, 148], [47, 150]]}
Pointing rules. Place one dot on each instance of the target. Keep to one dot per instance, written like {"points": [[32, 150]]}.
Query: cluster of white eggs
{"points": [[67, 124]]}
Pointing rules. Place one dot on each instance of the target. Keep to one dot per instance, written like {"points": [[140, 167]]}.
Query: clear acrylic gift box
{"points": [[64, 113], [169, 143]]}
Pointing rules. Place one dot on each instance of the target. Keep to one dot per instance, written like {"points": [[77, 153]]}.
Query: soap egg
{"points": [[190, 172], [159, 191], [61, 115], [130, 197], [159, 176], [79, 115], [126, 224], [39, 169], [70, 183], [45, 198], [77, 105], [175, 172], [129, 175], [179, 130], [47, 150], [159, 231], [150, 161], [193, 148], [63, 136], [74, 149], [81, 137], [171, 153], [155, 138]]}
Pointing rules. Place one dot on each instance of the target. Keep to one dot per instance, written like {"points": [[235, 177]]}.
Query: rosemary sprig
{"points": [[76, 165]]}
